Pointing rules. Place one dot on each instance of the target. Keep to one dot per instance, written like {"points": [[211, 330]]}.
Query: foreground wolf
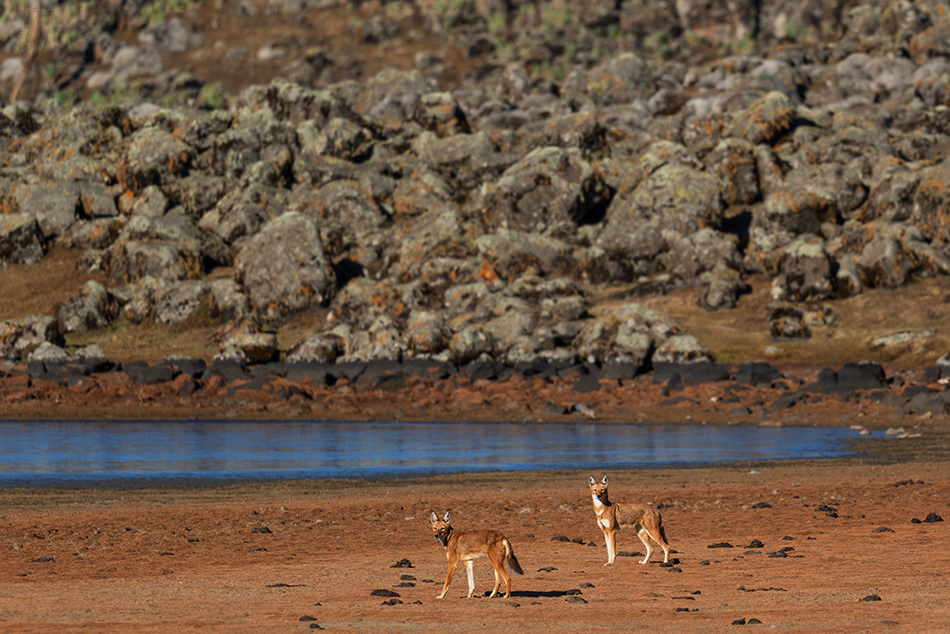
{"points": [[471, 545], [612, 517]]}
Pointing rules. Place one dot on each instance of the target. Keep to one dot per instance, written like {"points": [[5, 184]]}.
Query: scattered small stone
{"points": [[587, 584], [41, 560], [627, 553], [753, 621], [761, 505], [883, 529], [572, 592], [682, 610], [406, 578], [315, 626], [739, 622], [261, 529], [405, 584], [560, 538], [578, 540], [932, 518], [402, 563], [778, 553], [721, 545], [547, 569], [683, 598], [871, 597], [674, 569], [575, 599], [704, 562], [306, 617], [908, 483], [392, 602], [383, 592], [255, 549], [286, 585], [788, 538], [755, 543]]}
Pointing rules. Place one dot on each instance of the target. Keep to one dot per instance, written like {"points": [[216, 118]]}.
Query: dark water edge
{"points": [[746, 445]]}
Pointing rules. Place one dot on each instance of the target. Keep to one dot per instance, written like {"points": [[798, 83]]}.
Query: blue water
{"points": [[43, 454]]}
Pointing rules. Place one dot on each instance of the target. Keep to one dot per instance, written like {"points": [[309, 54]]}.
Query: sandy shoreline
{"points": [[265, 557]]}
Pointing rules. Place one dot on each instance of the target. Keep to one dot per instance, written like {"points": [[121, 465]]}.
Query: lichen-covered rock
{"points": [[806, 271], [284, 269], [19, 239], [19, 337], [468, 344], [547, 188], [154, 157], [93, 308], [322, 347], [767, 119], [164, 248], [227, 301], [53, 204], [178, 301], [681, 349], [621, 79], [674, 200], [512, 254], [424, 332]]}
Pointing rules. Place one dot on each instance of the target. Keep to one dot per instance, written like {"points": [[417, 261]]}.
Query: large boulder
{"points": [[19, 337], [284, 269], [19, 239], [93, 308], [547, 188], [164, 248]]}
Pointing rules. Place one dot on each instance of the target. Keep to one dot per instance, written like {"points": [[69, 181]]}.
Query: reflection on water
{"points": [[60, 453]]}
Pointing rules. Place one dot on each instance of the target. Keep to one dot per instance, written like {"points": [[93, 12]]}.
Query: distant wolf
{"points": [[611, 517], [469, 545]]}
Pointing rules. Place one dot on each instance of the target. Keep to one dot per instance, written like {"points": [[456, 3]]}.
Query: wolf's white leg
{"points": [[643, 535], [611, 548], [469, 568]]}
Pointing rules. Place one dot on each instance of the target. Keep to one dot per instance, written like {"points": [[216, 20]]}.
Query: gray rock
{"points": [[164, 248], [169, 36], [48, 352], [154, 156], [19, 337], [284, 269], [178, 301], [92, 309], [468, 344], [53, 203], [765, 120], [424, 332], [548, 187], [513, 254], [19, 239], [681, 349], [317, 348], [228, 301]]}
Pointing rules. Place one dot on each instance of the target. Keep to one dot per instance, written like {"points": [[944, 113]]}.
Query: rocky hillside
{"points": [[476, 180]]}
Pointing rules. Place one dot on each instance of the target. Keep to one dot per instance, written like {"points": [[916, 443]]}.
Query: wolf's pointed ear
{"points": [[434, 518], [592, 480], [604, 481], [446, 518]]}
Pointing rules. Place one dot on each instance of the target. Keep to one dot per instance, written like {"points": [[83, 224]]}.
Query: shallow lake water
{"points": [[47, 453]]}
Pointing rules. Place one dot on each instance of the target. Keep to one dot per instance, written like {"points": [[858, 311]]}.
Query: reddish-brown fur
{"points": [[469, 545], [611, 517]]}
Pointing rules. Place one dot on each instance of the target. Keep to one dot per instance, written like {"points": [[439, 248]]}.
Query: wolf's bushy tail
{"points": [[512, 560]]}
